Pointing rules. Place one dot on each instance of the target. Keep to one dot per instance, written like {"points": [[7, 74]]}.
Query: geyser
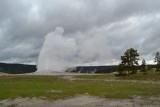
{"points": [[60, 51], [56, 52]]}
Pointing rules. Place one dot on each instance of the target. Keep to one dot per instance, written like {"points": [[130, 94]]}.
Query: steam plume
{"points": [[60, 52]]}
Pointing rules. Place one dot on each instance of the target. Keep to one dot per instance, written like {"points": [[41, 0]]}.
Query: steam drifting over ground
{"points": [[60, 51]]}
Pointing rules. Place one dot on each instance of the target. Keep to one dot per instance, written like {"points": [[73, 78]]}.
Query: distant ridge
{"points": [[24, 68], [94, 69], [17, 68]]}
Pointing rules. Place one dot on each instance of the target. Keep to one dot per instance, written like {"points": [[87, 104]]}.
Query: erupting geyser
{"points": [[60, 51], [56, 52]]}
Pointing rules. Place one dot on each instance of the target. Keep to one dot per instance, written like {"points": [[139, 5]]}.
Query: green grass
{"points": [[139, 76], [142, 76], [100, 76], [39, 86]]}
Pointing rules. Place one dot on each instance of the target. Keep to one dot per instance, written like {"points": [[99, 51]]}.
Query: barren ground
{"points": [[83, 101]]}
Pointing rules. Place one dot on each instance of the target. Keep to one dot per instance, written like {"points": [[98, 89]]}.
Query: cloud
{"points": [[109, 26]]}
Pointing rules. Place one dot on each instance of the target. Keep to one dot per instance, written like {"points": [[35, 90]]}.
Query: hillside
{"points": [[17, 68], [94, 69], [23, 68]]}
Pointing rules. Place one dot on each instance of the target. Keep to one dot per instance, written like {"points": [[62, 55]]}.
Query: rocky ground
{"points": [[83, 101]]}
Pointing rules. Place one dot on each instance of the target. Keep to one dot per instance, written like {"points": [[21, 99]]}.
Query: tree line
{"points": [[129, 63]]}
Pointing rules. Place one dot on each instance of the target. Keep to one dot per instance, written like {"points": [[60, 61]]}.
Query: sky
{"points": [[78, 32]]}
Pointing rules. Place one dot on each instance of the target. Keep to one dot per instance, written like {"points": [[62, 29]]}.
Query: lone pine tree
{"points": [[129, 60]]}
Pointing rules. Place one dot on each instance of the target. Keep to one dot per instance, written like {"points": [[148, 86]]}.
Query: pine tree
{"points": [[157, 59], [143, 66], [129, 60]]}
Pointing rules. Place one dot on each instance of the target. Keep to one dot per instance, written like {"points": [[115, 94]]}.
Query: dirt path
{"points": [[83, 101]]}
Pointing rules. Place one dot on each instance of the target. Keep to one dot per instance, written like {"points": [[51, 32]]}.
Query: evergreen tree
{"points": [[143, 66], [157, 59], [121, 69], [129, 60]]}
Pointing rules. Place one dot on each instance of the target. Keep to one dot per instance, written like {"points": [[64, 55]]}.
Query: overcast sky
{"points": [[99, 31]]}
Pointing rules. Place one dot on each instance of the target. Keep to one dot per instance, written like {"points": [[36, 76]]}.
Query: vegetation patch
{"points": [[39, 86], [100, 76], [141, 76]]}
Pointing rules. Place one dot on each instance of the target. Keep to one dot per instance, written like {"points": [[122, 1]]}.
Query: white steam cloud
{"points": [[60, 51]]}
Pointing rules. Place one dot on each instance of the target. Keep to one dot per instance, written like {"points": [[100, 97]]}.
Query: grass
{"points": [[40, 86], [142, 76], [138, 76], [100, 76]]}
